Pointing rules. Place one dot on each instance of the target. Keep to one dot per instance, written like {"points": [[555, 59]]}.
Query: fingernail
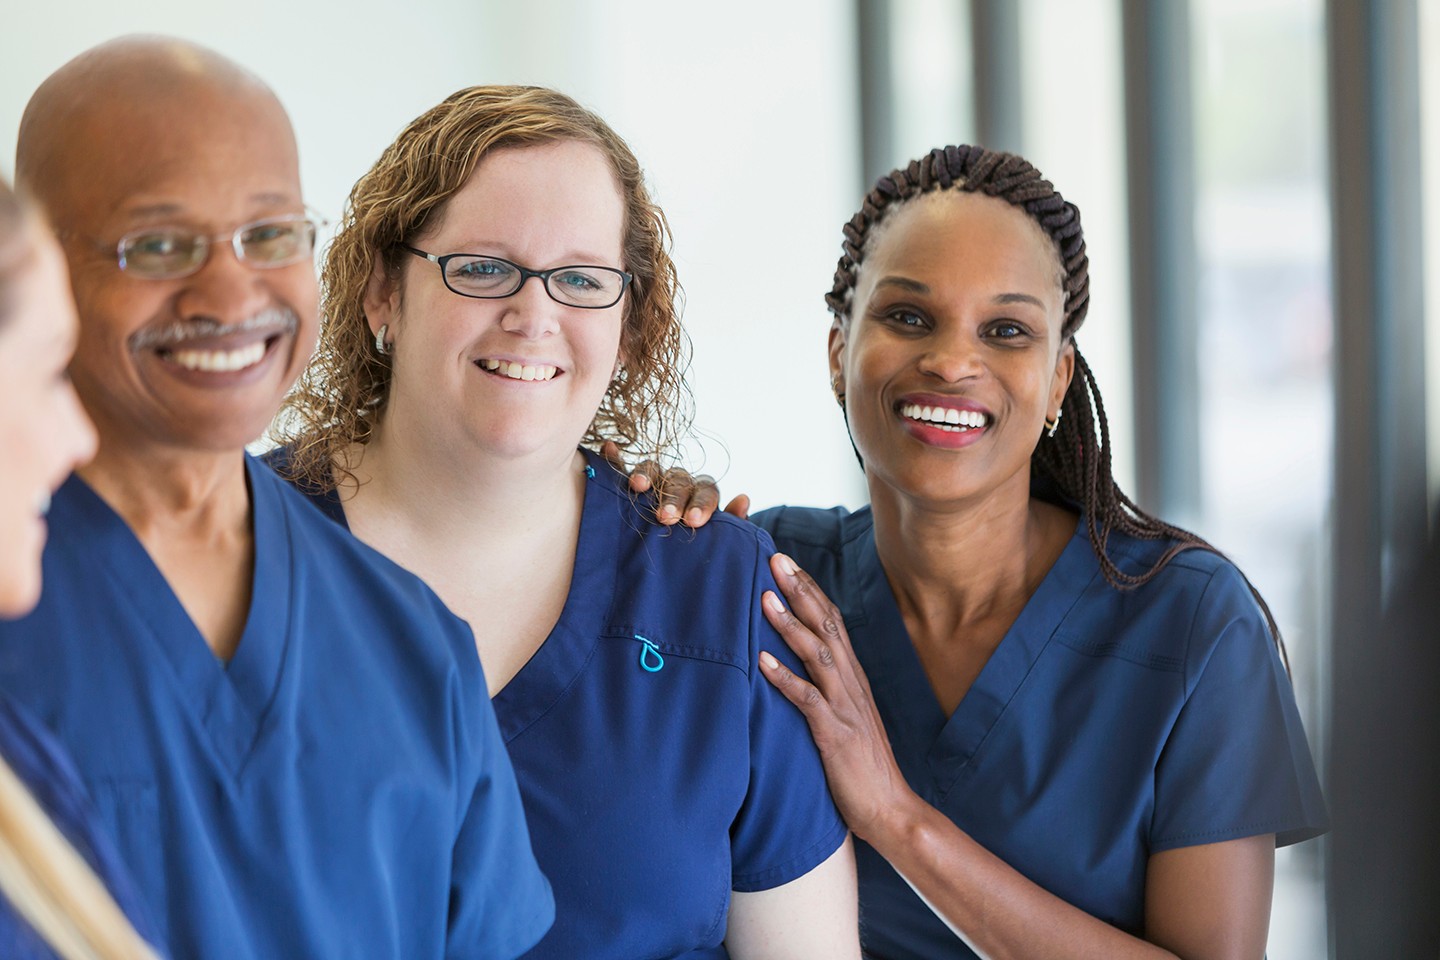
{"points": [[787, 565], [669, 511], [767, 661], [693, 516], [773, 602]]}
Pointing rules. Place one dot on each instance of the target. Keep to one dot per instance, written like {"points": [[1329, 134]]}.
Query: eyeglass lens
{"points": [[168, 252], [579, 286]]}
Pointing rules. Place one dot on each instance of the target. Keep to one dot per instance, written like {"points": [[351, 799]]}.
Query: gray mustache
{"points": [[271, 320]]}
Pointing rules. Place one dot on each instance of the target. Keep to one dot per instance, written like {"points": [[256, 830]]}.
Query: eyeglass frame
{"points": [[309, 217], [626, 277]]}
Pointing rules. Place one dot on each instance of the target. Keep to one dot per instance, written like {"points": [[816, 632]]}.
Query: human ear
{"points": [[382, 297], [1064, 373], [837, 357]]}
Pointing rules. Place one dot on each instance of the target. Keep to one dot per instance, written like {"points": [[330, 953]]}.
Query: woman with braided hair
{"points": [[1061, 726]]}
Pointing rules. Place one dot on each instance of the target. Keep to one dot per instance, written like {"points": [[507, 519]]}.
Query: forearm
{"points": [[1203, 902], [999, 913]]}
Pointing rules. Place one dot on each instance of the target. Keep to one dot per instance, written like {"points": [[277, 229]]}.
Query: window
{"points": [[1430, 185], [1264, 331], [1074, 131]]}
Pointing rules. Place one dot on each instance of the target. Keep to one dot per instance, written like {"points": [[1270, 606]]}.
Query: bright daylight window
{"points": [[930, 65], [1266, 396], [1075, 133], [1430, 186]]}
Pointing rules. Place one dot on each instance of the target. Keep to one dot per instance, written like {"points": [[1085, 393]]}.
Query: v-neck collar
{"points": [[561, 658], [228, 701], [896, 674]]}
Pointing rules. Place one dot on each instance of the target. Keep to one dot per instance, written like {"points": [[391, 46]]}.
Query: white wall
{"points": [[743, 116]]}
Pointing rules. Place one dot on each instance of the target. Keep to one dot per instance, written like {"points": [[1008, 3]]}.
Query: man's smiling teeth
{"points": [[946, 418], [518, 371], [219, 361]]}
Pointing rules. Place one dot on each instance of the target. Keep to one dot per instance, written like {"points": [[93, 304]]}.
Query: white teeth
{"points": [[518, 371], [946, 418], [220, 361]]}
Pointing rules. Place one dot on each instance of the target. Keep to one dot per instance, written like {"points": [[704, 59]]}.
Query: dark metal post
{"points": [[995, 44], [1160, 153], [1382, 771], [877, 90]]}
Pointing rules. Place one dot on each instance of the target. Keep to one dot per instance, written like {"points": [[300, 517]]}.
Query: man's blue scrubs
{"points": [[660, 770], [339, 789], [1107, 726]]}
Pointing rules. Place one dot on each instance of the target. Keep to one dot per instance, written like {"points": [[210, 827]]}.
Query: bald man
{"points": [[288, 735]]}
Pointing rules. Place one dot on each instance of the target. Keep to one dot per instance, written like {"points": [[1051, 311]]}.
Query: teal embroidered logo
{"points": [[650, 658]]}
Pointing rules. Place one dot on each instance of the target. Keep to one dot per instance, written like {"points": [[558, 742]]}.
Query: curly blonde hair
{"points": [[343, 392]]}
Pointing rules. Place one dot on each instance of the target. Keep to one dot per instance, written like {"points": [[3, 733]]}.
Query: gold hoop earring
{"points": [[1052, 425], [835, 389]]}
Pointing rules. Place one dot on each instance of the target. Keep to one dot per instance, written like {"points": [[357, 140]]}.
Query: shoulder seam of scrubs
{"points": [[1193, 680]]}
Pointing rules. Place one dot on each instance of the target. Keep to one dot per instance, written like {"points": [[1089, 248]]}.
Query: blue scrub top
{"points": [[40, 763], [1107, 726], [660, 770], [339, 789]]}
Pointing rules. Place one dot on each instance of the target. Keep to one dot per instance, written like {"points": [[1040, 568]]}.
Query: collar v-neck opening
{"points": [[228, 700], [955, 740], [561, 658]]}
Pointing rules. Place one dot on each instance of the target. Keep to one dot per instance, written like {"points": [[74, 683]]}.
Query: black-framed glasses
{"points": [[169, 253], [492, 278]]}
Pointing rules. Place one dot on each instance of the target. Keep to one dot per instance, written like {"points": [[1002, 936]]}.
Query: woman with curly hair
{"points": [[1059, 725], [498, 299]]}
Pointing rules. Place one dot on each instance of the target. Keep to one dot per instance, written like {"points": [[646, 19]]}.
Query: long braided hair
{"points": [[1076, 462]]}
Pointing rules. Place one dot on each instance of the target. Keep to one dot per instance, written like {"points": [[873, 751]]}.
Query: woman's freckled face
{"points": [[43, 431], [541, 207], [952, 357]]}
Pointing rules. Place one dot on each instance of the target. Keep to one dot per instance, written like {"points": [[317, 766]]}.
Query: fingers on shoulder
{"points": [[796, 689]]}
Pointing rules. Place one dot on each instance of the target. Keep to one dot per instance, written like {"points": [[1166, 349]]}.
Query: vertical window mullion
{"points": [[1160, 156]]}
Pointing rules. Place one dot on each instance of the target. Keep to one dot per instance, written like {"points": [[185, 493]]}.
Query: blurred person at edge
{"points": [[1060, 726], [64, 892], [499, 297], [286, 734]]}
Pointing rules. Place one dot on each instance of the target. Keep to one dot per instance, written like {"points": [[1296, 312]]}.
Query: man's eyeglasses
{"points": [[491, 278], [169, 253]]}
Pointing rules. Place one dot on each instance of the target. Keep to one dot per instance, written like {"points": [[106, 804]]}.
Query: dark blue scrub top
{"points": [[339, 789], [39, 763], [1108, 725], [659, 774]]}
